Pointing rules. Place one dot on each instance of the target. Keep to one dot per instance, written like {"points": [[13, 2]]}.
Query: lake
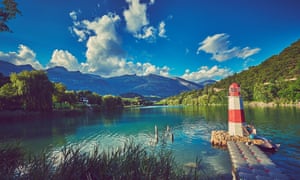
{"points": [[191, 127]]}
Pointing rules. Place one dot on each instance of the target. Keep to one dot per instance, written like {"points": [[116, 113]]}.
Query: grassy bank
{"points": [[130, 162]]}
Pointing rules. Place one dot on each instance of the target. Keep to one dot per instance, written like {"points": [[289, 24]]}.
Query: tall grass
{"points": [[130, 162], [11, 157]]}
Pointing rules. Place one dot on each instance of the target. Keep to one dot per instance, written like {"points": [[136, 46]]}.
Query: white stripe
{"points": [[235, 129], [235, 103]]}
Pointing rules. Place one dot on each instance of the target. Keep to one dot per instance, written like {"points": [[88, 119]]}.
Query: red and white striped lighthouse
{"points": [[236, 116]]}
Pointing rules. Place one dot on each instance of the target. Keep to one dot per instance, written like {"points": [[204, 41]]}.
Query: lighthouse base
{"points": [[235, 129], [220, 138]]}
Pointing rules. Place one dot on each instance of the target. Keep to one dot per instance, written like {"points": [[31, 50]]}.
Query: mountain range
{"points": [[149, 85]]}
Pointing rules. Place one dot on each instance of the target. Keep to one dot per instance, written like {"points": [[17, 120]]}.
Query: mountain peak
{"points": [[58, 68], [6, 68]]}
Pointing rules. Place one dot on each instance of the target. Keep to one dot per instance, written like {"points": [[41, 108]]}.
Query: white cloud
{"points": [[149, 33], [65, 59], [73, 15], [78, 28], [135, 16], [137, 22], [147, 68], [24, 56], [104, 55], [162, 29], [206, 73], [152, 2], [104, 52], [218, 46]]}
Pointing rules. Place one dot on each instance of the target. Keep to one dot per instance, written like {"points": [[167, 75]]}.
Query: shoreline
{"points": [[270, 104]]}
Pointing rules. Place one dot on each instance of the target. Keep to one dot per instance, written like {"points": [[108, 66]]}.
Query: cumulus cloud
{"points": [[219, 46], [148, 68], [135, 16], [148, 33], [206, 73], [24, 56], [104, 55], [162, 29], [65, 59], [78, 28], [137, 22]]}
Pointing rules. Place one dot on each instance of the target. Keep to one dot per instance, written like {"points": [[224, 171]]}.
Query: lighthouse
{"points": [[236, 116]]}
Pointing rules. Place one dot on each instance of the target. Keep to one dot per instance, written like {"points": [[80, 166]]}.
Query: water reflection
{"points": [[190, 125]]}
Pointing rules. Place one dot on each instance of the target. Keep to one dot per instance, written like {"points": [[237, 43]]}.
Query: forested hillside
{"points": [[275, 80]]}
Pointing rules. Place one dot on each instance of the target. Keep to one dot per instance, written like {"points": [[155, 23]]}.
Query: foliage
{"points": [[8, 11], [11, 157], [275, 80], [136, 101], [34, 89], [130, 162], [31, 91], [111, 102]]}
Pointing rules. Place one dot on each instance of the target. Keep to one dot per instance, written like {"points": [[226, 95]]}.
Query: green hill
{"points": [[274, 80]]}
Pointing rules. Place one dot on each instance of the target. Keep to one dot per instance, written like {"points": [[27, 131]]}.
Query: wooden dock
{"points": [[249, 162]]}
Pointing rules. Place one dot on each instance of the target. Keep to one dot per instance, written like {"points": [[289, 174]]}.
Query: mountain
{"points": [[75, 80], [7, 68], [207, 82], [277, 80], [278, 68], [150, 86]]}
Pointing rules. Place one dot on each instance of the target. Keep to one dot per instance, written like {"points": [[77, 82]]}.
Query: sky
{"points": [[193, 39]]}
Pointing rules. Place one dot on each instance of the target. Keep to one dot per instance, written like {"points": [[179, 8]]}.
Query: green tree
{"points": [[70, 97], [59, 93], [8, 11], [35, 90], [9, 100], [111, 102]]}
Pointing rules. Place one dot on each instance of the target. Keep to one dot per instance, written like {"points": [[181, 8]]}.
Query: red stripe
{"points": [[236, 116]]}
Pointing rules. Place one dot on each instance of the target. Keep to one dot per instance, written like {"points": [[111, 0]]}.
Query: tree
{"points": [[35, 90], [59, 93], [7, 12], [9, 100], [111, 102]]}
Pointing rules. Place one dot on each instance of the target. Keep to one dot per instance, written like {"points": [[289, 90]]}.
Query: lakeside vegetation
{"points": [[32, 91], [130, 162], [274, 81]]}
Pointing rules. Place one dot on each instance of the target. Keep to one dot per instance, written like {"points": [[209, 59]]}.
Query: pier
{"points": [[249, 162]]}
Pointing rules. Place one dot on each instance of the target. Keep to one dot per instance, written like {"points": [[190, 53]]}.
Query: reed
{"points": [[130, 162]]}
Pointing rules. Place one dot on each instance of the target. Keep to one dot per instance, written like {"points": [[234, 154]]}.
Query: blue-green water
{"points": [[191, 127]]}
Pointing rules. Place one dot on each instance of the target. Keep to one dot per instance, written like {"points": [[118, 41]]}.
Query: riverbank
{"points": [[25, 115], [270, 104]]}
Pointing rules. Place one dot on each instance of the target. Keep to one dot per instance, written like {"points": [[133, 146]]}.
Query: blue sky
{"points": [[193, 39]]}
